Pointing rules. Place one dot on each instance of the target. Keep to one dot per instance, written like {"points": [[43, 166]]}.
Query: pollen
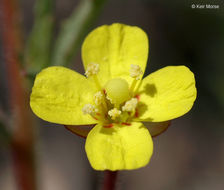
{"points": [[135, 71], [98, 98], [92, 69], [111, 101], [130, 105], [89, 109], [114, 113]]}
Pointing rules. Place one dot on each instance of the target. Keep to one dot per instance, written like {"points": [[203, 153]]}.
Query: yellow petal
{"points": [[166, 94], [121, 147], [59, 94], [115, 47], [157, 128], [80, 130]]}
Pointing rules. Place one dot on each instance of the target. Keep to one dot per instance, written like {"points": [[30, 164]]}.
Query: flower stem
{"points": [[109, 180], [22, 134]]}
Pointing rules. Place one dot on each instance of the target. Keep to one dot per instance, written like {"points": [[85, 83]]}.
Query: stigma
{"points": [[117, 91]]}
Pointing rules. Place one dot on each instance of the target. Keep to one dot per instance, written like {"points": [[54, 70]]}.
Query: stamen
{"points": [[135, 71], [98, 98], [111, 101], [95, 78], [130, 105], [92, 69], [133, 84], [114, 113], [89, 109]]}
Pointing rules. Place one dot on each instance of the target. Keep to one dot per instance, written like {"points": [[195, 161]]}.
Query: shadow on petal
{"points": [[149, 89]]}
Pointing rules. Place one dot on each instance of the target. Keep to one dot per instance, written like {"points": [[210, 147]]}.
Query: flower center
{"points": [[116, 102]]}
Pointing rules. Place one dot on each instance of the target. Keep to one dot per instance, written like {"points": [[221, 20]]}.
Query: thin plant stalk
{"points": [[110, 178], [22, 134]]}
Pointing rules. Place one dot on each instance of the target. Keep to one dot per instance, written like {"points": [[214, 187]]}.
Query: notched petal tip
{"points": [[114, 47]]}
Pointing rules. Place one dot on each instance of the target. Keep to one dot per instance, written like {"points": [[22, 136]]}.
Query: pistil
{"points": [[118, 93]]}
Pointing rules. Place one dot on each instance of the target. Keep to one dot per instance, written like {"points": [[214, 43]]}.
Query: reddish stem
{"points": [[109, 180], [22, 137]]}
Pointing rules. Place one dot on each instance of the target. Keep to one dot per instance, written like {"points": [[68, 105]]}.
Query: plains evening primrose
{"points": [[121, 110]]}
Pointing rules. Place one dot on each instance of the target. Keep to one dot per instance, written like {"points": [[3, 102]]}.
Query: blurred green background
{"points": [[190, 154]]}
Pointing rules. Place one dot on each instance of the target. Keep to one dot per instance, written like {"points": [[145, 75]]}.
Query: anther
{"points": [[114, 113], [92, 69], [111, 101], [135, 71], [89, 109], [130, 105], [98, 98]]}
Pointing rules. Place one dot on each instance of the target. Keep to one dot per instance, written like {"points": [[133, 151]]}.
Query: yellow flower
{"points": [[114, 97]]}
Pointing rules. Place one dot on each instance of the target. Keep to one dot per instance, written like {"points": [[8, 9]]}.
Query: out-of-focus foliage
{"points": [[74, 30], [4, 135], [38, 50]]}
